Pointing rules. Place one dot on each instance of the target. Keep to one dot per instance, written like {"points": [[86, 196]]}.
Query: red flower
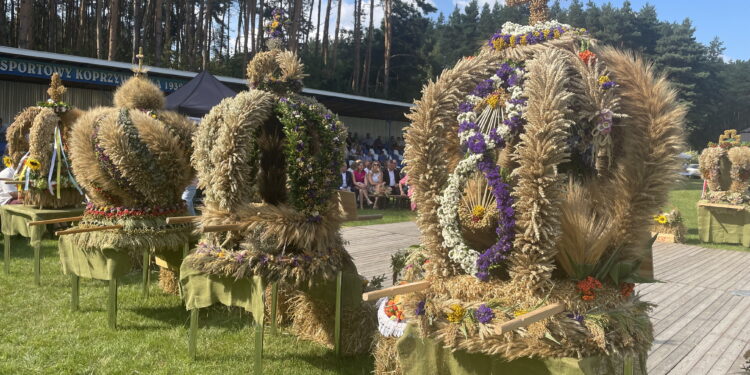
{"points": [[586, 56], [587, 287], [627, 289]]}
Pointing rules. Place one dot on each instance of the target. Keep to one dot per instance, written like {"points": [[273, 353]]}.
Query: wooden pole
{"points": [[258, 363], [112, 310], [337, 323], [38, 263], [182, 219], [146, 264], [274, 306], [394, 290], [221, 228], [84, 230], [75, 283], [6, 253], [628, 366], [530, 317], [193, 339], [55, 221]]}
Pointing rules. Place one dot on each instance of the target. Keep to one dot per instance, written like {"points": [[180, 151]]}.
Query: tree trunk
{"points": [[99, 37], [294, 29], [81, 26], [309, 17], [336, 38], [251, 21], [259, 43], [207, 34], [136, 29], [240, 19], [388, 11], [317, 28], [368, 56], [52, 23], [25, 23], [114, 23], [357, 44], [158, 46], [326, 29]]}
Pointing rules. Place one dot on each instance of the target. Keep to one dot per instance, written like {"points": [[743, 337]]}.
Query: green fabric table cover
{"points": [[15, 218], [100, 264], [351, 288], [201, 290], [420, 356], [724, 225]]}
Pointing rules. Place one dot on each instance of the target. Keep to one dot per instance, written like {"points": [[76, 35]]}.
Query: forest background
{"points": [[392, 59]]}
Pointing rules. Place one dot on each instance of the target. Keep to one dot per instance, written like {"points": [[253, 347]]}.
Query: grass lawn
{"points": [[40, 335], [390, 215], [685, 197]]}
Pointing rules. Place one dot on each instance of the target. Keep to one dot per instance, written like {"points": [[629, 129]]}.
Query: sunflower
{"points": [[33, 164], [8, 161], [661, 219]]}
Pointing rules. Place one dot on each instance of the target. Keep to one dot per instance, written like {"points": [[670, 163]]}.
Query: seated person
{"points": [[8, 192], [346, 179], [391, 177]]}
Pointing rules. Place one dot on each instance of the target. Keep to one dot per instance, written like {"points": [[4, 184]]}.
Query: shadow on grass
{"points": [[330, 362]]}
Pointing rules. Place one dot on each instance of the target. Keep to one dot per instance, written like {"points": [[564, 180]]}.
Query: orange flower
{"points": [[627, 289], [586, 56], [588, 297]]}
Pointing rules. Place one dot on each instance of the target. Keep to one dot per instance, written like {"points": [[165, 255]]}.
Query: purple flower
{"points": [[327, 116], [476, 144], [466, 126], [465, 107], [284, 100], [420, 308], [484, 88], [504, 71], [484, 314], [506, 221], [577, 317], [608, 85]]}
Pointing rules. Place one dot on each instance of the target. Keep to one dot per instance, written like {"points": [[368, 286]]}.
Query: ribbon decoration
{"points": [[57, 160], [52, 166], [64, 158]]}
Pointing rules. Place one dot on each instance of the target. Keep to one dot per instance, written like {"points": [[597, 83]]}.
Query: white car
{"points": [[691, 171]]}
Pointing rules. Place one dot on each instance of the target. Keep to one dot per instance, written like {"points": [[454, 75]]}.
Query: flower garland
{"points": [[314, 148], [56, 106], [482, 135], [513, 35]]}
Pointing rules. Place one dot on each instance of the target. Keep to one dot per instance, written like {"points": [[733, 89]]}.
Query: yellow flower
{"points": [[221, 254], [493, 100], [457, 314], [499, 44], [557, 33], [33, 164], [513, 41], [274, 24], [478, 211], [8, 161], [523, 40], [661, 219], [520, 312], [546, 33], [603, 80]]}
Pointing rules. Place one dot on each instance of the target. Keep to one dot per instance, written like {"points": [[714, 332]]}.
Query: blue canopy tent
{"points": [[199, 95]]}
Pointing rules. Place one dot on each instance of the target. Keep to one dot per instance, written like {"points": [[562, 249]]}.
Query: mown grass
{"points": [[39, 334], [685, 197], [390, 215]]}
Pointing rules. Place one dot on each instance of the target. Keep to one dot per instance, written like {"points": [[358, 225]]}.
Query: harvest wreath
{"points": [[725, 166], [38, 149], [539, 111]]}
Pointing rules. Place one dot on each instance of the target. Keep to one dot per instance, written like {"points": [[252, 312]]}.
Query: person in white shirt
{"points": [[189, 196], [346, 179], [8, 192]]}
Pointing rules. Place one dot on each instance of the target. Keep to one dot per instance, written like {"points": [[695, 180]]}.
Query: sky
{"points": [[716, 18]]}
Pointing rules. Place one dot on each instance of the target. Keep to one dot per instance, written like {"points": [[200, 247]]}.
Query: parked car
{"points": [[691, 171]]}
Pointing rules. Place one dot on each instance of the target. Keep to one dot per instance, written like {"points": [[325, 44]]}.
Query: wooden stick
{"points": [[394, 290], [14, 182], [722, 205], [182, 219], [221, 228], [84, 230], [54, 221], [530, 317]]}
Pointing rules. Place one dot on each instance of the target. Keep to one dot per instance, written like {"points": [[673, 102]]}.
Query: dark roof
{"points": [[199, 95]]}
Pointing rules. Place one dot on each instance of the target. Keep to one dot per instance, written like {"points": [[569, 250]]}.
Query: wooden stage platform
{"points": [[702, 318]]}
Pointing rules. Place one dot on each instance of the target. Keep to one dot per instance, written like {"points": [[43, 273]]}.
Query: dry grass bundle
{"points": [[225, 150], [586, 230], [654, 138], [739, 157], [169, 281], [313, 319], [139, 92], [538, 192], [18, 144], [386, 356], [710, 166]]}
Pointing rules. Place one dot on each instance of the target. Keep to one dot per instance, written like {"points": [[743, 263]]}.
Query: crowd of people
{"points": [[374, 149], [371, 181]]}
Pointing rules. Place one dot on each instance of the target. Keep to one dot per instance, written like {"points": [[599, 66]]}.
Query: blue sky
{"points": [[726, 19]]}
